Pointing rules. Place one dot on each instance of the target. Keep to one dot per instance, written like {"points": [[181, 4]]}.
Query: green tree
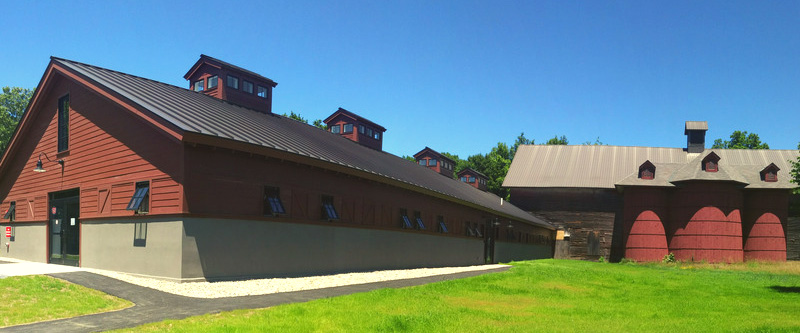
{"points": [[296, 116], [558, 141], [319, 124], [596, 142], [740, 140], [495, 166], [409, 158], [13, 102], [521, 140]]}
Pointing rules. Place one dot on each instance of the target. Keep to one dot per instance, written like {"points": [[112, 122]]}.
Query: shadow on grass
{"points": [[782, 289]]}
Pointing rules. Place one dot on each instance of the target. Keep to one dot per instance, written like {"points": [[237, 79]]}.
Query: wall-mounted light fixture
{"points": [[40, 168]]}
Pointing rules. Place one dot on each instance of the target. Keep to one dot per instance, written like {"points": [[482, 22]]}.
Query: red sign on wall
{"points": [[8, 232]]}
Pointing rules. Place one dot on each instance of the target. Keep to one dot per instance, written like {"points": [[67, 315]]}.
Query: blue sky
{"points": [[457, 76]]}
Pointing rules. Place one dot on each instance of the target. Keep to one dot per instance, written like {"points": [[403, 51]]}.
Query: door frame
{"points": [[54, 198]]}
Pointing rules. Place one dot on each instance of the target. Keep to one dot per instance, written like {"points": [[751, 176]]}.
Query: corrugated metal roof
{"points": [[604, 166], [195, 112], [696, 125]]}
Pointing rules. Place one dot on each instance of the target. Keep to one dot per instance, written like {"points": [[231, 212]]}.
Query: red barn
{"points": [[642, 203], [113, 171]]}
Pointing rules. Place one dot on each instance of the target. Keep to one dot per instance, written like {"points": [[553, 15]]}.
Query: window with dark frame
{"points": [[140, 234], [432, 162], [369, 132], [198, 85], [478, 231], [233, 82], [418, 218], [247, 86], [348, 128], [328, 210], [361, 129], [261, 92], [336, 129], [63, 123], [406, 223], [423, 162], [140, 202], [11, 213], [442, 225], [468, 229], [212, 82], [377, 135], [272, 201]]}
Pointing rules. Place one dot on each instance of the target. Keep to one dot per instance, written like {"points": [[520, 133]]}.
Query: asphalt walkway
{"points": [[152, 305]]}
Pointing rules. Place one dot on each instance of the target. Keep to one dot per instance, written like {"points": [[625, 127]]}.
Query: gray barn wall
{"points": [[109, 244], [219, 249], [793, 238], [30, 242], [506, 252]]}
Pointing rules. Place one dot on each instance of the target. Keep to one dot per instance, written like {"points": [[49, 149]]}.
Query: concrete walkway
{"points": [[153, 305]]}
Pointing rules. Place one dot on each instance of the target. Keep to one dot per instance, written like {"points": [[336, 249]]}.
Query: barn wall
{"points": [[29, 242]]}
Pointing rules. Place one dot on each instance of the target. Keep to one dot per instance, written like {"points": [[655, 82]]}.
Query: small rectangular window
{"points": [[328, 210], [63, 123], [262, 92], [369, 132], [406, 223], [432, 162], [140, 202], [464, 179], [336, 129], [423, 162], [140, 234], [418, 218], [478, 231], [212, 82], [442, 225], [247, 86], [233, 82], [471, 180], [468, 230], [361, 129], [272, 201], [198, 85], [348, 128], [11, 212], [377, 135]]}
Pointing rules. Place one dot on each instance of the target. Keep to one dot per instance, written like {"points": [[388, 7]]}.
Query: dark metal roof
{"points": [[195, 112]]}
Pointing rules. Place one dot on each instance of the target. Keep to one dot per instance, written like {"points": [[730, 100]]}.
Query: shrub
{"points": [[670, 258], [627, 261]]}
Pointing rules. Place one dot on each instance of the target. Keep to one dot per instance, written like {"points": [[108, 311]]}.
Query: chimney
{"points": [[234, 84], [437, 162], [695, 132], [356, 128]]}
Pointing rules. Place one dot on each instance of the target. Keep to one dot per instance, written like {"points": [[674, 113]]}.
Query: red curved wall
{"points": [[709, 235], [647, 240], [766, 240]]}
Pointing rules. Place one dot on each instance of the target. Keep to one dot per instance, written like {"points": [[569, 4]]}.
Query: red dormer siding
{"points": [[234, 84], [474, 178], [437, 162], [356, 128]]}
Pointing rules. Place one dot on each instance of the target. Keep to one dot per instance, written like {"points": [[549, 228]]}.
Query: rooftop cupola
{"points": [[435, 161], [695, 136], [231, 83], [356, 128]]}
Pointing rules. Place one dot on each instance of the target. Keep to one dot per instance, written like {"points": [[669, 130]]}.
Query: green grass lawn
{"points": [[27, 299], [544, 295]]}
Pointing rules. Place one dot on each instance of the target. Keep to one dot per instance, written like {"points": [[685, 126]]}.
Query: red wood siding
{"points": [[764, 225], [227, 183], [109, 150]]}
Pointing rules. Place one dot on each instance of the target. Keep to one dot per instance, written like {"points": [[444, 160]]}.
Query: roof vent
{"points": [[695, 136], [234, 84]]}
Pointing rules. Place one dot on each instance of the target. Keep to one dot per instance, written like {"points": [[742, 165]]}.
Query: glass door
{"points": [[65, 228]]}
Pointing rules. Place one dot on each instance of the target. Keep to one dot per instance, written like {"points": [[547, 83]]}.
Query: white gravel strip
{"points": [[279, 285]]}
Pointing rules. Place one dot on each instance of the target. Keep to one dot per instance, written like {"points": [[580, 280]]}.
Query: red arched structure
{"points": [[647, 240], [766, 240], [709, 235]]}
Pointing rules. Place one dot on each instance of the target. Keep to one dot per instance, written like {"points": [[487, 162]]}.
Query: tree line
{"points": [[494, 164]]}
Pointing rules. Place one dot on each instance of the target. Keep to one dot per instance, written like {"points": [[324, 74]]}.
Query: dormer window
{"points": [[335, 129], [198, 85], [647, 171], [770, 173], [348, 128], [247, 87], [432, 162], [212, 82], [711, 163], [233, 82], [262, 92]]}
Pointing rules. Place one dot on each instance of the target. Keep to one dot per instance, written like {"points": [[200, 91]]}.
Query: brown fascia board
{"points": [[222, 64], [355, 117], [203, 139]]}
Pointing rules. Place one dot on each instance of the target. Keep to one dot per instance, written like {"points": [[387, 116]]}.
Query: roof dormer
{"points": [[231, 83], [356, 128], [695, 132], [437, 162], [770, 173], [647, 171], [710, 162], [474, 178]]}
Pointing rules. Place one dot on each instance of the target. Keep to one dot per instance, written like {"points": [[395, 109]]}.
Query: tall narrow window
{"points": [[11, 212], [233, 82], [212, 82], [140, 202], [404, 219], [247, 86], [63, 123], [442, 225], [198, 85], [418, 218], [468, 229], [261, 92], [272, 201], [361, 129], [140, 234], [328, 210]]}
